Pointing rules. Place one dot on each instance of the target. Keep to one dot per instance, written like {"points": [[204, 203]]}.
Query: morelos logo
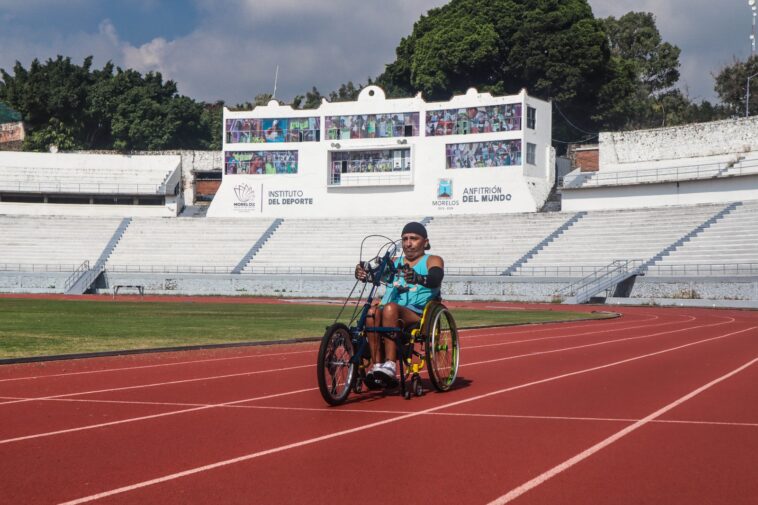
{"points": [[445, 188], [244, 193]]}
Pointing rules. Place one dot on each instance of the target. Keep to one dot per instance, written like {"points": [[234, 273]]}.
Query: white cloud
{"points": [[233, 53]]}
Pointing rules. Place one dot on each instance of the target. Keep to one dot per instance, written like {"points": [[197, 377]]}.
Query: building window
{"points": [[371, 126], [531, 150], [260, 162], [253, 131], [531, 117], [377, 165], [499, 153], [494, 118]]}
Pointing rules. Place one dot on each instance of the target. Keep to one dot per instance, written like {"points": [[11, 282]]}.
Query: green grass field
{"points": [[33, 327]]}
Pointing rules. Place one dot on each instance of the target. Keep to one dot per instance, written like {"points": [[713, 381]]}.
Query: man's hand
{"points": [[411, 276], [363, 272], [360, 273]]}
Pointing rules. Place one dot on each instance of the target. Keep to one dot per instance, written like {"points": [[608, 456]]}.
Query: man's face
{"points": [[413, 245]]}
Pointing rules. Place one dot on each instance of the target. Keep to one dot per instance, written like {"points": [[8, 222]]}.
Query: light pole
{"points": [[747, 94], [751, 4]]}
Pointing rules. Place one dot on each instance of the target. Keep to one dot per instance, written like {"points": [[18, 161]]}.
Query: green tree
{"points": [[345, 93], [731, 86], [212, 123], [634, 38], [75, 106], [56, 90], [311, 100], [649, 69], [554, 48]]}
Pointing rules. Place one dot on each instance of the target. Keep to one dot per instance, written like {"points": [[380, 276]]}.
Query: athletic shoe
{"points": [[371, 379], [385, 374]]}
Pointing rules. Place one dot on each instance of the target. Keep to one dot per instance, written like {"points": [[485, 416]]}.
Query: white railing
{"points": [[81, 187], [663, 174], [703, 269], [37, 267], [352, 179]]}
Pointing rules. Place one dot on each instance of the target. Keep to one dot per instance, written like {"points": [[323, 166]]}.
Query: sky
{"points": [[230, 49]]}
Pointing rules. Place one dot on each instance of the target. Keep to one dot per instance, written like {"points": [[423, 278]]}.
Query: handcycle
{"points": [[430, 344]]}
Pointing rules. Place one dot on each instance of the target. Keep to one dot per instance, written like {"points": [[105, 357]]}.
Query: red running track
{"points": [[656, 407]]}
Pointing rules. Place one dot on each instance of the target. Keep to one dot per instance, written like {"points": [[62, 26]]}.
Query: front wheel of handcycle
{"points": [[441, 347], [335, 367]]}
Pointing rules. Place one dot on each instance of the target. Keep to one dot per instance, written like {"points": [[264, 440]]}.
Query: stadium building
{"points": [[474, 154]]}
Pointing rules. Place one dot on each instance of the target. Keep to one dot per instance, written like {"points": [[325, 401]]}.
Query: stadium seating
{"points": [[74, 174], [211, 245], [323, 245], [487, 244], [728, 247], [44, 243], [601, 237]]}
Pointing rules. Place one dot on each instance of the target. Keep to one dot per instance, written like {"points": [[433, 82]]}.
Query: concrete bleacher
{"points": [[212, 245], [601, 237], [46, 243], [486, 244], [323, 245], [88, 174], [728, 247]]}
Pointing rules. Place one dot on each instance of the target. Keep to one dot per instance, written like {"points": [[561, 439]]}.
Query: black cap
{"points": [[414, 227], [418, 229]]}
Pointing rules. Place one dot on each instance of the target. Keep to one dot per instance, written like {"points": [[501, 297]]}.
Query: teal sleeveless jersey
{"points": [[413, 296]]}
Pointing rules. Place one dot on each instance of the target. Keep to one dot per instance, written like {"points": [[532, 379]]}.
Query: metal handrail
{"points": [[75, 275], [607, 271], [674, 173], [37, 267], [83, 187]]}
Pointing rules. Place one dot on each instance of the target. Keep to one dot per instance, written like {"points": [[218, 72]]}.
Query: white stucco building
{"points": [[474, 154]]}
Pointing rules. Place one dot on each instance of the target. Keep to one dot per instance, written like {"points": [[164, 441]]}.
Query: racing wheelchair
{"points": [[430, 344]]}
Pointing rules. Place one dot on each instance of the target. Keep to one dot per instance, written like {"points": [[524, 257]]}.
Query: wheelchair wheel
{"points": [[442, 351], [336, 371]]}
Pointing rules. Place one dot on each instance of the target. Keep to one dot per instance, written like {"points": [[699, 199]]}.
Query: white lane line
{"points": [[142, 367], [214, 377], [552, 327], [540, 479], [594, 344], [233, 405], [554, 337], [377, 424], [152, 416], [157, 384]]}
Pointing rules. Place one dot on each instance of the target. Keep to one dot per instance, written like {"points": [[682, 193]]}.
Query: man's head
{"points": [[415, 240]]}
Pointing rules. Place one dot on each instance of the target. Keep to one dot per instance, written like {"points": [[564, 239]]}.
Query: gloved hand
{"points": [[411, 276]]}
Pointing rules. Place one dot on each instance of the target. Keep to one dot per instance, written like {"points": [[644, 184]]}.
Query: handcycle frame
{"points": [[354, 339]]}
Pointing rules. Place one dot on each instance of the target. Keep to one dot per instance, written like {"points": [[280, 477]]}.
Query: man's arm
{"points": [[433, 279]]}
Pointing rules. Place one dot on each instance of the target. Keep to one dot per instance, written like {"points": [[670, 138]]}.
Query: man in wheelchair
{"points": [[417, 283]]}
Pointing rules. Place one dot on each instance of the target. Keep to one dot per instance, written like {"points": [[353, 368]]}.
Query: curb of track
{"points": [[199, 347]]}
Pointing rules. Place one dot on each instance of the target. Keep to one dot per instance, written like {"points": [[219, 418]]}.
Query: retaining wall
{"points": [[680, 142]]}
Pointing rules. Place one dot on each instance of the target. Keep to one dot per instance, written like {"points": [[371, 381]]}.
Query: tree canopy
{"points": [[600, 73], [731, 86], [75, 106]]}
